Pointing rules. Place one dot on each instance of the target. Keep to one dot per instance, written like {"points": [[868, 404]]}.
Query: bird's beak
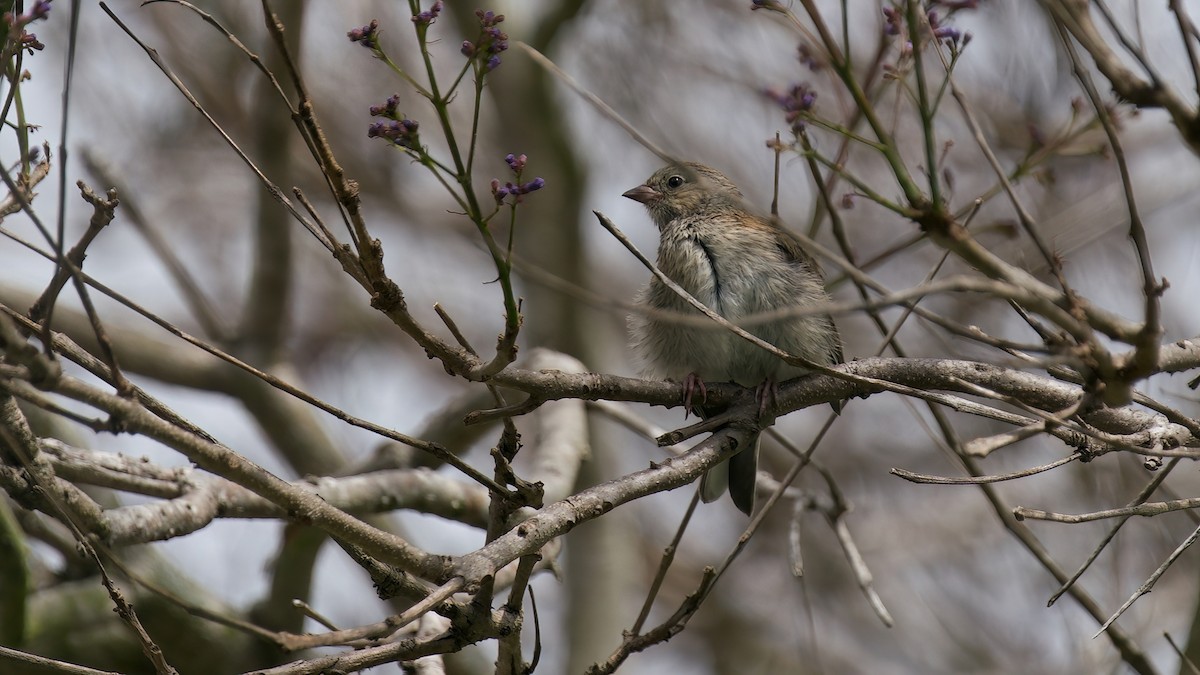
{"points": [[642, 193]]}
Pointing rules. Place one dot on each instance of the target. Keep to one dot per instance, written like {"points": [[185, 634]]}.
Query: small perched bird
{"points": [[739, 264]]}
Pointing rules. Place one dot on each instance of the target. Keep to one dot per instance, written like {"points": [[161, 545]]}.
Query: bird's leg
{"points": [[691, 384], [766, 393]]}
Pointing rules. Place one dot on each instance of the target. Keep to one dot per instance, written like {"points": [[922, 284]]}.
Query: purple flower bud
{"points": [[40, 10], [427, 17], [366, 35], [892, 21], [494, 40], [517, 192], [401, 132], [794, 102], [491, 41], [29, 42], [388, 109], [488, 18], [804, 53], [516, 162], [948, 33]]}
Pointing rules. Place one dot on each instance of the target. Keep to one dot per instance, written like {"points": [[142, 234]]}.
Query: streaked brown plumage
{"points": [[739, 264]]}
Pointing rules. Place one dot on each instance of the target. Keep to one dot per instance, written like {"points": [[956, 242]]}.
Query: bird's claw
{"points": [[691, 383], [766, 394]]}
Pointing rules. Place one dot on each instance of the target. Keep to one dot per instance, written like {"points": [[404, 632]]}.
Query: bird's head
{"points": [[682, 188]]}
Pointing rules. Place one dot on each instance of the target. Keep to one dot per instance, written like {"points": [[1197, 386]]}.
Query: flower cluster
{"points": [[795, 102], [388, 109], [807, 58], [402, 132], [396, 127], [951, 35], [16, 24], [367, 36], [40, 10], [516, 189], [429, 16], [491, 40], [501, 191], [516, 162], [30, 42], [893, 21]]}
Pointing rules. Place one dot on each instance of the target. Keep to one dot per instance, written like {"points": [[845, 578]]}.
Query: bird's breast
{"points": [[690, 261]]}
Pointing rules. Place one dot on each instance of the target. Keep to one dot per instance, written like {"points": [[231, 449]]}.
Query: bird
{"points": [[738, 263]]}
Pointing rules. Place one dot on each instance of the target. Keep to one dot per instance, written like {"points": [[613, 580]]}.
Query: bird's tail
{"points": [[739, 474], [743, 476], [714, 482]]}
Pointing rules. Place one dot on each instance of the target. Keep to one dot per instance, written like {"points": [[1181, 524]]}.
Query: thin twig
{"points": [[1146, 510], [1149, 583], [1141, 497], [976, 480]]}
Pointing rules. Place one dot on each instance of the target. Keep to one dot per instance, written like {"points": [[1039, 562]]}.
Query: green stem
{"points": [[937, 100], [512, 228], [404, 75], [843, 131], [862, 187], [915, 21], [458, 80], [22, 128], [488, 217], [475, 123], [435, 167], [512, 318], [841, 67]]}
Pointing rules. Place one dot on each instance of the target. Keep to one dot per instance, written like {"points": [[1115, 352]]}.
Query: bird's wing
{"points": [[835, 351], [794, 251]]}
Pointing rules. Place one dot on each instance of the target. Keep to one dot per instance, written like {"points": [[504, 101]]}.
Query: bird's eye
{"points": [[674, 181]]}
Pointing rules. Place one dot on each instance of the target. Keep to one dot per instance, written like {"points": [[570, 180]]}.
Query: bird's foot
{"points": [[766, 394], [691, 384]]}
